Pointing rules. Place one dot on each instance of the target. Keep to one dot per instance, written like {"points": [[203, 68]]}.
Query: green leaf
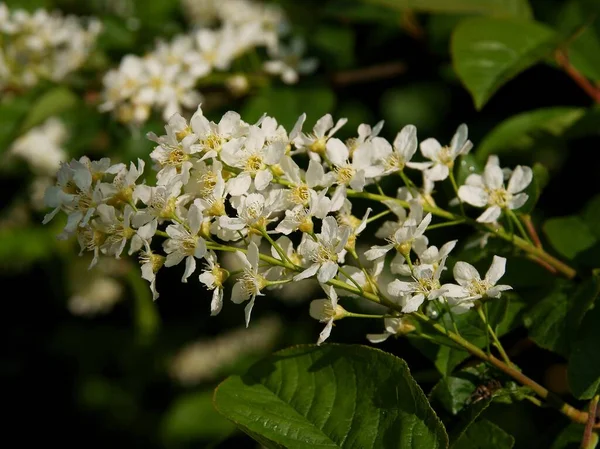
{"points": [[337, 43], [454, 391], [584, 365], [575, 19], [22, 246], [467, 166], [486, 53], [484, 435], [421, 104], [53, 102], [332, 396], [569, 235], [554, 320], [497, 8], [522, 132], [192, 417], [569, 438], [12, 112], [591, 215], [287, 104]]}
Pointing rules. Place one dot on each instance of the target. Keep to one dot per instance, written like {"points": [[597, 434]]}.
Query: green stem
{"points": [[378, 216], [520, 227], [446, 224], [498, 232], [275, 245], [455, 187], [552, 399], [490, 332], [356, 284]]}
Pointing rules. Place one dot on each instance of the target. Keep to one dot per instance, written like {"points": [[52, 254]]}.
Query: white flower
{"points": [[162, 201], [325, 251], [151, 263], [358, 276], [443, 157], [355, 173], [489, 191], [184, 242], [288, 63], [213, 277], [212, 136], [315, 143], [251, 282], [472, 287], [300, 217], [42, 146], [327, 311], [427, 256], [408, 235], [253, 211], [393, 326], [397, 158], [253, 157], [425, 285]]}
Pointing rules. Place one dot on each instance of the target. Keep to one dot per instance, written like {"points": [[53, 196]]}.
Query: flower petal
{"points": [[496, 270], [475, 196], [521, 177], [464, 273], [490, 215]]}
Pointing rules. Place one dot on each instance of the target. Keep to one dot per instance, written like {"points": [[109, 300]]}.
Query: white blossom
{"points": [[489, 190], [442, 158]]}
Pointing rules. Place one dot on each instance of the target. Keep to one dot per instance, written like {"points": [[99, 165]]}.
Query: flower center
{"points": [[213, 142], [499, 197], [427, 285], [393, 162], [253, 164], [345, 174], [445, 156], [188, 244], [318, 146], [300, 194], [252, 283], [176, 157]]}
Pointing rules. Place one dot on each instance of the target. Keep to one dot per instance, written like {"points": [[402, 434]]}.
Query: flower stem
{"points": [[490, 331], [455, 187], [275, 245], [520, 227], [498, 232], [586, 442], [552, 399]]}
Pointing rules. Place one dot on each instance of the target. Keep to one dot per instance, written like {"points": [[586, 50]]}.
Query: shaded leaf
{"points": [[484, 434], [497, 8], [53, 102], [554, 320], [330, 396], [521, 132], [569, 235], [584, 365], [193, 417], [486, 53]]}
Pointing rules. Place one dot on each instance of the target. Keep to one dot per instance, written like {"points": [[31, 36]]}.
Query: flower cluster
{"points": [[233, 186], [42, 46], [167, 78]]}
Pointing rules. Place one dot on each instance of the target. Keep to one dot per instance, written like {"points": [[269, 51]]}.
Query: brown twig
{"points": [[531, 230], [589, 426], [366, 74], [562, 60]]}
